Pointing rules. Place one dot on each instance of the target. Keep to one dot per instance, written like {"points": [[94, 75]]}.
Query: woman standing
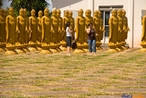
{"points": [[69, 32], [91, 38]]}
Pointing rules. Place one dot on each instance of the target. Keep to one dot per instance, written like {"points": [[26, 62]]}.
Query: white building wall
{"points": [[133, 12], [138, 6], [71, 5]]}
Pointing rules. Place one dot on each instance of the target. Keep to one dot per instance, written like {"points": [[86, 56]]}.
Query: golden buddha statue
{"points": [[120, 30], [10, 32], [125, 29], [33, 29], [26, 34], [96, 24], [102, 29], [80, 32], [72, 24], [65, 19], [46, 32], [113, 29], [39, 33], [88, 20], [20, 27], [2, 31], [71, 20], [143, 38], [88, 17], [5, 12], [55, 32], [59, 25]]}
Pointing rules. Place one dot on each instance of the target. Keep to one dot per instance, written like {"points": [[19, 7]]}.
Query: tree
{"points": [[1, 3], [29, 5]]}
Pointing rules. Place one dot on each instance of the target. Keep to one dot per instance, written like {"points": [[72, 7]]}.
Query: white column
{"points": [[130, 17]]}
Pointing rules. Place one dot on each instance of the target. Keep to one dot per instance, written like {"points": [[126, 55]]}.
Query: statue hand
{"points": [[53, 31], [39, 30], [18, 31], [30, 30]]}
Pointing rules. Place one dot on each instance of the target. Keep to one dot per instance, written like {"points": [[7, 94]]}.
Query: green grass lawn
{"points": [[34, 75]]}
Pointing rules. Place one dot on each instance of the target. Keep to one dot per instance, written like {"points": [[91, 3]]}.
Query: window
{"points": [[105, 14]]}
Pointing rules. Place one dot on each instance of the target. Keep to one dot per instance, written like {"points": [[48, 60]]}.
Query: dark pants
{"points": [[92, 45], [68, 41]]}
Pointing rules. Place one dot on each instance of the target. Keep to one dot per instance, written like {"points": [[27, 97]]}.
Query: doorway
{"points": [[105, 14]]}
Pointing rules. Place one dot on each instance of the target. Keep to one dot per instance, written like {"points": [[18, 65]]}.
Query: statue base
{"points": [[98, 44], [86, 50], [31, 49], [119, 49], [112, 50], [54, 50], [26, 50], [78, 51], [45, 52], [45, 49], [2, 47], [142, 50], [98, 48], [11, 52], [2, 50], [39, 48], [20, 51], [112, 47], [124, 47], [32, 46], [10, 49], [19, 48], [63, 48], [85, 47], [143, 44]]}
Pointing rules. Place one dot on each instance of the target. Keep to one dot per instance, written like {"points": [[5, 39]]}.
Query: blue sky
{"points": [[6, 3]]}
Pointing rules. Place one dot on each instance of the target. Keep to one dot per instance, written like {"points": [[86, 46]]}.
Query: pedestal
{"points": [[10, 49], [112, 47]]}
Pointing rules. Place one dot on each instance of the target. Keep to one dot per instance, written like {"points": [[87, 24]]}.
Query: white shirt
{"points": [[68, 34]]}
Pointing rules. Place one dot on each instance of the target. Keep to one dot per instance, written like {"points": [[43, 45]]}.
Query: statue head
{"points": [[4, 13], [11, 11], [119, 12], [46, 12], [70, 14], [114, 12], [66, 13], [1, 11], [33, 12], [40, 13], [123, 12], [88, 13], [97, 13], [25, 12], [58, 13], [80, 12], [54, 13], [21, 12]]}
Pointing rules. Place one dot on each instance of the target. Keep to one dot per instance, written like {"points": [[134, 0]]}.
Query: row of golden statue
{"points": [[47, 34]]}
